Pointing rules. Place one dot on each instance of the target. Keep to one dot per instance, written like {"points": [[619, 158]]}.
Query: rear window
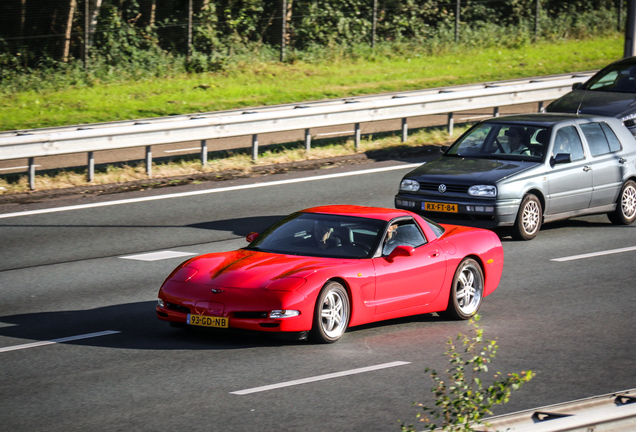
{"points": [[595, 138]]}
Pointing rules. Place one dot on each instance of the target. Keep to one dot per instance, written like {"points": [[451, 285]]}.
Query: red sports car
{"points": [[321, 270]]}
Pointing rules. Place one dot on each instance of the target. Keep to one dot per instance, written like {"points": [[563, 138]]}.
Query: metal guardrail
{"points": [[614, 412], [206, 126]]}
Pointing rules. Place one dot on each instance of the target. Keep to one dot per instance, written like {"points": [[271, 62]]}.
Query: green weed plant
{"points": [[462, 399]]}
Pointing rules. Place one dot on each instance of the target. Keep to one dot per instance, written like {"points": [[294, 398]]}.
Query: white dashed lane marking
{"points": [[319, 378], [595, 254], [61, 340], [156, 256]]}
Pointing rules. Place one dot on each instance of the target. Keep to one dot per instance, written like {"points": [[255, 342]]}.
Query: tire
{"points": [[331, 314], [466, 292], [529, 219], [625, 212]]}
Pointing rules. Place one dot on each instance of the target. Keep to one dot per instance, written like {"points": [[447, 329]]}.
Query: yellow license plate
{"points": [[440, 207], [208, 321]]}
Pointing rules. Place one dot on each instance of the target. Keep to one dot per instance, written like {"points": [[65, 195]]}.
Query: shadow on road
{"points": [[141, 330]]}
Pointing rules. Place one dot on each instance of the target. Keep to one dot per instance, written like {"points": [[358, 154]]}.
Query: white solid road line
{"points": [[156, 256], [208, 191], [19, 167], [319, 378], [595, 254], [61, 340], [182, 150]]}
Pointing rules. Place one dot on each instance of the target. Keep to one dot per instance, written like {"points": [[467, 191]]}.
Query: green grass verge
{"points": [[269, 83]]}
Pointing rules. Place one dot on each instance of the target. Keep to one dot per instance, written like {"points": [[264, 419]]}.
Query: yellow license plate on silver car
{"points": [[208, 321], [440, 207]]}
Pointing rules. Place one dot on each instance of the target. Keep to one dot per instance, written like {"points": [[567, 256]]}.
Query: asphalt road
{"points": [[62, 274]]}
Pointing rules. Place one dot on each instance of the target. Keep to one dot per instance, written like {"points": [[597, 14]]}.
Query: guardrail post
{"points": [[405, 130], [495, 112], [91, 166], [204, 152], [149, 161], [307, 140], [32, 173], [451, 123], [540, 106], [254, 147], [357, 136]]}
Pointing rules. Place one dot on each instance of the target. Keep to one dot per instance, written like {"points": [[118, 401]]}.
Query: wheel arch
{"points": [[539, 194], [342, 281]]}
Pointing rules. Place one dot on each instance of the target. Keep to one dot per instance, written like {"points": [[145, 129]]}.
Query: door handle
{"points": [[622, 160], [586, 168], [434, 254]]}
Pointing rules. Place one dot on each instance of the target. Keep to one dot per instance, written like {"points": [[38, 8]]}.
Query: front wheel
{"points": [[625, 212], [529, 218], [331, 315], [466, 292]]}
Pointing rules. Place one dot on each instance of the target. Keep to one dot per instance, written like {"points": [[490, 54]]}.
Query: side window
{"points": [[567, 140], [402, 233], [614, 143], [595, 138]]}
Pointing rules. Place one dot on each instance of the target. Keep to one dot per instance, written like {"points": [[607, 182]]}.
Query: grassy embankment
{"points": [[257, 84]]}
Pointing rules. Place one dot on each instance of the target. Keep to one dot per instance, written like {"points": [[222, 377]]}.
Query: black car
{"points": [[610, 92], [521, 171]]}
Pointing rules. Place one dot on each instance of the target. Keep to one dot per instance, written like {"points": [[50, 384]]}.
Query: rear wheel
{"points": [[466, 292], [529, 218], [331, 314], [625, 212]]}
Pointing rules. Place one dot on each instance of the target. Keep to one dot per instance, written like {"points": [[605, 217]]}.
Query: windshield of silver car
{"points": [[502, 141]]}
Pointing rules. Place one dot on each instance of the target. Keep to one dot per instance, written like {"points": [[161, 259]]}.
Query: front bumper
{"points": [[246, 309], [474, 212]]}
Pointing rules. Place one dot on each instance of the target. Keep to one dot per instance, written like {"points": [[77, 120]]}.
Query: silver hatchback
{"points": [[524, 170]]}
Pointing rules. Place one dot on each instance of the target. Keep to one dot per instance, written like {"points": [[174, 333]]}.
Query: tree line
{"points": [[63, 30]]}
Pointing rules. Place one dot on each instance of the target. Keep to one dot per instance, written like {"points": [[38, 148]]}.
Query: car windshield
{"points": [[619, 78], [322, 235], [502, 141]]}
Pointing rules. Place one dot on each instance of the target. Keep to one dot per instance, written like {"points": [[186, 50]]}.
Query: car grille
{"points": [[178, 308], [449, 188]]}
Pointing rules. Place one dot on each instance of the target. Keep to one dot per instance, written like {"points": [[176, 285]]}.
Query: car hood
{"points": [[468, 171], [253, 269], [595, 102]]}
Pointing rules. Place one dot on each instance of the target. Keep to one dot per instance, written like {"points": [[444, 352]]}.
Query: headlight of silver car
{"points": [[409, 185], [483, 191]]}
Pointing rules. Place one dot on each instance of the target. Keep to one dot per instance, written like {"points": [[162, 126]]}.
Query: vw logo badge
{"points": [[217, 291], [442, 188]]}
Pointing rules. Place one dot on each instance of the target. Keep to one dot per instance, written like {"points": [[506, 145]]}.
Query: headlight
{"points": [[409, 185], [483, 191], [283, 313], [629, 120], [160, 303]]}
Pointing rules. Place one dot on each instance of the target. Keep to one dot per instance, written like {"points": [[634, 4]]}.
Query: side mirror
{"points": [[560, 158], [402, 251], [577, 86], [251, 237]]}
